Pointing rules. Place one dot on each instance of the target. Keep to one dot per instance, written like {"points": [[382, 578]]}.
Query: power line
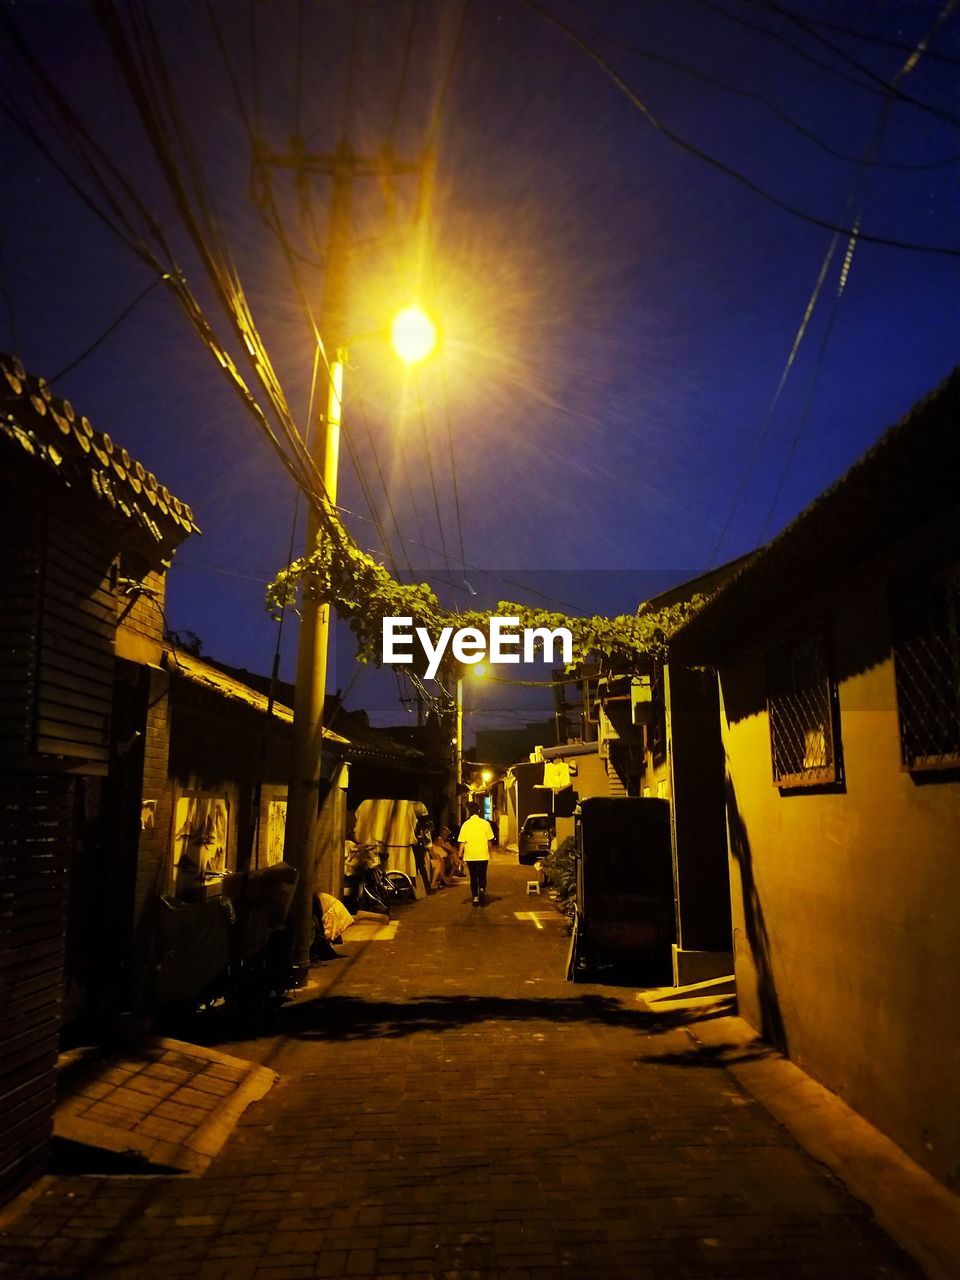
{"points": [[433, 479], [887, 86], [159, 113], [115, 324], [383, 483], [274, 220], [298, 79], [912, 60], [407, 48], [775, 109], [426, 234], [805, 56], [856, 34], [713, 162], [441, 103], [857, 192]]}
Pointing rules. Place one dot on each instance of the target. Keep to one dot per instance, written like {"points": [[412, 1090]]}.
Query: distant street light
{"points": [[413, 335]]}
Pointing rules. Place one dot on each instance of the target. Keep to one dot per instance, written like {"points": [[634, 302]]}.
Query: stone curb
{"points": [[917, 1211]]}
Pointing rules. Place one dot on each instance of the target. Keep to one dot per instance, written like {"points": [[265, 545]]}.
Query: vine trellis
{"points": [[340, 573]]}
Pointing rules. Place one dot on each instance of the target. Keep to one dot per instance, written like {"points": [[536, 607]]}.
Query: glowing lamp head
{"points": [[479, 671], [413, 335], [486, 777]]}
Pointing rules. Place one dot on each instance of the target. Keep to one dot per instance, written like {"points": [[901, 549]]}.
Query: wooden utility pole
{"points": [[302, 839]]}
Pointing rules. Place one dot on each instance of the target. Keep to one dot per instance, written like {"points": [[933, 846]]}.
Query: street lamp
{"points": [[414, 337]]}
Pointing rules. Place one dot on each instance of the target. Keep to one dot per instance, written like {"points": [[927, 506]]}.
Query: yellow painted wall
{"points": [[846, 907], [591, 780]]}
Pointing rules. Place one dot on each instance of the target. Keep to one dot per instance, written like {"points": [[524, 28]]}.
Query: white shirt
{"points": [[475, 835]]}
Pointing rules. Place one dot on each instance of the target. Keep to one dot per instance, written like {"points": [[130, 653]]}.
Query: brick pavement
{"points": [[169, 1103], [450, 1107]]}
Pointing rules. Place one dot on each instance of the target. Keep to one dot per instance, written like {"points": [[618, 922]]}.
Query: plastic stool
{"points": [[533, 887]]}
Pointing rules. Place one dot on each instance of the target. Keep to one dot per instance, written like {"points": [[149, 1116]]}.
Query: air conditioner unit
{"points": [[641, 700]]}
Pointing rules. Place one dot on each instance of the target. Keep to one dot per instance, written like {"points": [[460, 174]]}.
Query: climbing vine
{"points": [[340, 573]]}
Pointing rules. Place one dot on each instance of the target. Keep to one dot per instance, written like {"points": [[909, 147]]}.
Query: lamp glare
{"points": [[413, 335]]}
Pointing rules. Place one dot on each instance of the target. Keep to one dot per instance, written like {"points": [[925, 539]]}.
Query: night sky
{"points": [[616, 312]]}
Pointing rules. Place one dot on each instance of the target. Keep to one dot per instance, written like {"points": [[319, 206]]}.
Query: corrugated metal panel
{"points": [[21, 567], [57, 630], [36, 834]]}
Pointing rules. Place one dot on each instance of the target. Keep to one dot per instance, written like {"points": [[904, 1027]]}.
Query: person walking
{"points": [[475, 839]]}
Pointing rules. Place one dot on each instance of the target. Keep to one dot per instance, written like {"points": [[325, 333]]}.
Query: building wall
{"points": [[695, 756], [591, 780], [846, 935]]}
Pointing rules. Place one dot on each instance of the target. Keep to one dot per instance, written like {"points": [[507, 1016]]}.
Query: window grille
{"points": [[803, 725], [926, 628]]}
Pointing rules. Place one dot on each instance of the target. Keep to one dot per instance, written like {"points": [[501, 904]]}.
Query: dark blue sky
{"points": [[617, 313]]}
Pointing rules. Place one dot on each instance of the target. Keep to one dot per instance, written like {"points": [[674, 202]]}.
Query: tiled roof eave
{"points": [[45, 431]]}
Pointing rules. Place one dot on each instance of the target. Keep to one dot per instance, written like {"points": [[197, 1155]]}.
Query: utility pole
{"points": [[458, 759], [304, 797], [302, 839]]}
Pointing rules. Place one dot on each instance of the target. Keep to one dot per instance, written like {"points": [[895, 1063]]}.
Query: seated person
{"points": [[453, 863], [436, 859]]}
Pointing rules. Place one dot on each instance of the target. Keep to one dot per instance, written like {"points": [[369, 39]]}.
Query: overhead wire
{"points": [[714, 162], [254, 65], [151, 97], [404, 467], [868, 86], [856, 196], [434, 128], [73, 136], [430, 471], [155, 103], [946, 11], [375, 454], [888, 87], [775, 109], [298, 83], [346, 109], [428, 248], [866, 37], [404, 66], [105, 334]]}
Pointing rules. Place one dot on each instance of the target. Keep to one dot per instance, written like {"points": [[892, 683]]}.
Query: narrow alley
{"points": [[447, 1105]]}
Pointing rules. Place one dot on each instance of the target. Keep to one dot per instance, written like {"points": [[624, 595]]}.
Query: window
{"points": [[200, 840], [926, 646], [276, 831], [804, 727]]}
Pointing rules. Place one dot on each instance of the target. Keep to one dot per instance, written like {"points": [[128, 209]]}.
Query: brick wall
{"points": [[155, 842], [145, 616]]}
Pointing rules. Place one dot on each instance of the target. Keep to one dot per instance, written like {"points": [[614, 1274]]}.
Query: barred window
{"points": [[804, 728], [926, 647]]}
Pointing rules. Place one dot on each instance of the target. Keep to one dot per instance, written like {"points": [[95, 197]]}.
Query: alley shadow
{"points": [[350, 1018], [69, 1158], [715, 1055], [771, 1019]]}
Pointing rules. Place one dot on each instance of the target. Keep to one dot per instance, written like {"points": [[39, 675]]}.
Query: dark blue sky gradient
{"points": [[617, 314]]}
